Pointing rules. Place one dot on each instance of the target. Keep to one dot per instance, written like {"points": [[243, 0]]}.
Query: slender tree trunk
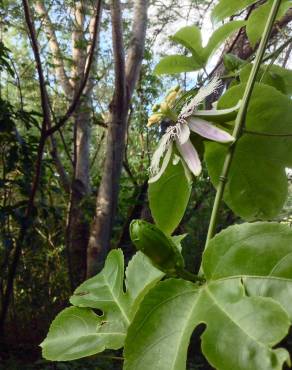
{"points": [[135, 212], [126, 76], [78, 221]]}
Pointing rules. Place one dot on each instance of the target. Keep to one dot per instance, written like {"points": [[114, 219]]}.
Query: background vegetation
{"points": [[39, 269]]}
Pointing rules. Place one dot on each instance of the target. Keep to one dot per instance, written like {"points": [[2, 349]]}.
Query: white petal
{"points": [[190, 156], [165, 162], [209, 131], [184, 133], [158, 154]]}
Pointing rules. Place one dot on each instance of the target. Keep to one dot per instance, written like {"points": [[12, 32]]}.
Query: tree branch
{"points": [[55, 48], [41, 146], [137, 44], [76, 100]]}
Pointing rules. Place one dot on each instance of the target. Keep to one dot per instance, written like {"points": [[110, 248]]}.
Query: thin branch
{"points": [[97, 149], [287, 56], [76, 100], [28, 213], [278, 51], [44, 98], [137, 45], [55, 48]]}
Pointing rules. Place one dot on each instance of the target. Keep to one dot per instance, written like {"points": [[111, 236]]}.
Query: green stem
{"points": [[240, 120], [185, 274]]}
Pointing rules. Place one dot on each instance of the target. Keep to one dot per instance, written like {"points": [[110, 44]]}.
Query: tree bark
{"points": [[77, 231], [78, 225], [126, 76], [77, 228], [55, 48]]}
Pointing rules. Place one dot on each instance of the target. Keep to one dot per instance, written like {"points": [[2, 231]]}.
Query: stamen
{"points": [[203, 93]]}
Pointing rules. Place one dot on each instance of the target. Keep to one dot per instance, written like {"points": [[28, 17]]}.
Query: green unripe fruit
{"points": [[156, 245]]}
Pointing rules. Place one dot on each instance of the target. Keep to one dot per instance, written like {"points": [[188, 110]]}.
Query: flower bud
{"points": [[170, 99], [161, 250], [155, 118]]}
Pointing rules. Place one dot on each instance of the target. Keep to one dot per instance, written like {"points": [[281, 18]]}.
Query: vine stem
{"points": [[240, 120], [185, 274]]}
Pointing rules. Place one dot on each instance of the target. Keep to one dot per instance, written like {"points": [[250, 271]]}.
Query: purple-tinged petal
{"points": [[209, 131], [184, 133], [190, 156]]}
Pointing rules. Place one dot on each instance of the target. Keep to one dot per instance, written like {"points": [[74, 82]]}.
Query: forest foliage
{"points": [[108, 145]]}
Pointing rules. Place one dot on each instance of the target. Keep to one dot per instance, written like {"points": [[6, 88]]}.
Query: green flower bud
{"points": [[161, 250]]}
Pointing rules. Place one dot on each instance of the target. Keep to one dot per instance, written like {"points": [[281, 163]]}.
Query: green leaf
{"points": [[240, 331], [220, 35], [227, 8], [103, 292], [78, 332], [177, 239], [232, 62], [257, 184], [257, 187], [190, 37], [259, 252], [257, 21], [172, 64], [273, 75], [169, 196], [245, 305], [141, 276]]}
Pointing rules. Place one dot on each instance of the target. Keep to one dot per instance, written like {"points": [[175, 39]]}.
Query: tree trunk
{"points": [[77, 231], [78, 221], [126, 76]]}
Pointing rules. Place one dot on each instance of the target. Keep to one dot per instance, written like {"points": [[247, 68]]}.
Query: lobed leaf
{"points": [[190, 37], [240, 331], [257, 183], [245, 305], [78, 332], [261, 253]]}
